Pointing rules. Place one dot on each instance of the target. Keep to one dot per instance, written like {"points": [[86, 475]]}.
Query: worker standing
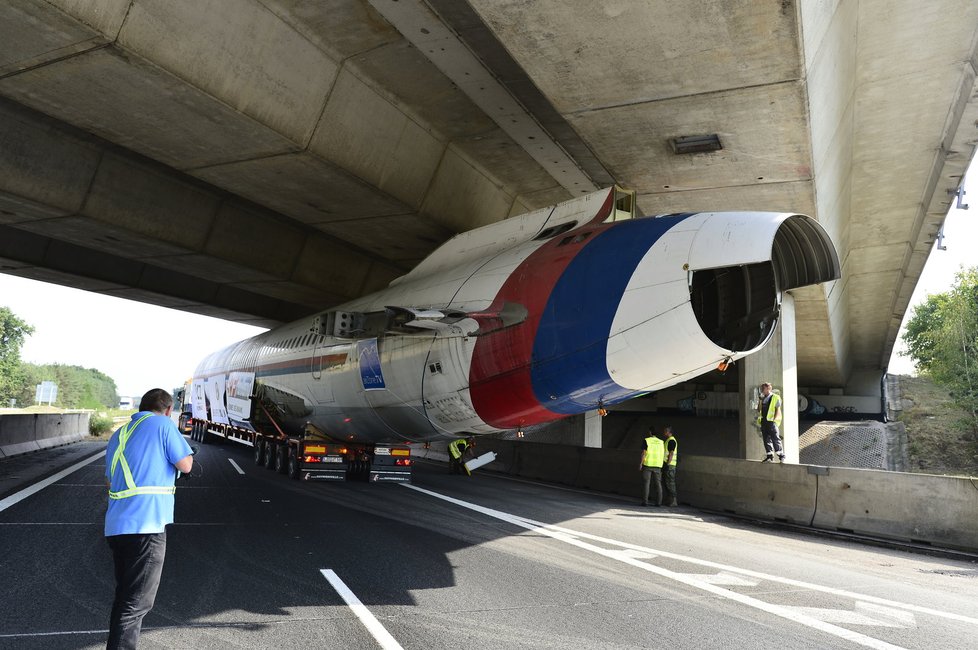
{"points": [[141, 464], [669, 467], [769, 417], [651, 466]]}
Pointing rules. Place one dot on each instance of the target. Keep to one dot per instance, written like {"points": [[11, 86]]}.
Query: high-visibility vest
{"points": [[654, 452], [772, 409], [456, 447], [119, 460], [675, 451]]}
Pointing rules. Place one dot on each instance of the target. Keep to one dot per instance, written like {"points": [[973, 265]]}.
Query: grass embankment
{"points": [[942, 437]]}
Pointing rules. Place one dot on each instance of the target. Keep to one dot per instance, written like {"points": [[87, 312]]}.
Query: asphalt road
{"points": [[258, 561]]}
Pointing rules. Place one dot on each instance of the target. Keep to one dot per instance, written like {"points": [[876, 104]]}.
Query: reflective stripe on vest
{"points": [[654, 452], [772, 409], [675, 452], [455, 448], [119, 459]]}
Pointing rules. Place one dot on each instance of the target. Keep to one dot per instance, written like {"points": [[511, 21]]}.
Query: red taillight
{"points": [[311, 459], [402, 461]]}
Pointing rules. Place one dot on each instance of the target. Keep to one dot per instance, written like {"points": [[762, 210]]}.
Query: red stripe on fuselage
{"points": [[499, 379]]}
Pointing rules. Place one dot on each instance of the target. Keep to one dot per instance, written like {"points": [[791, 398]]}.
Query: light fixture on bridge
{"points": [[695, 143]]}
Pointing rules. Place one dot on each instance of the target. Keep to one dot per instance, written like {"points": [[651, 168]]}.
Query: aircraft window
{"points": [[574, 239], [553, 231]]}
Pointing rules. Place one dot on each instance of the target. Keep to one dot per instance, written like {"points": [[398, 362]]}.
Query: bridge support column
{"points": [[776, 363], [592, 429]]}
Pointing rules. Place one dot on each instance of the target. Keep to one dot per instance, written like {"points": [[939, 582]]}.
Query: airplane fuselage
{"points": [[549, 314]]}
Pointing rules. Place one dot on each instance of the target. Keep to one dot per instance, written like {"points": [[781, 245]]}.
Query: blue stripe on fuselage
{"points": [[570, 370]]}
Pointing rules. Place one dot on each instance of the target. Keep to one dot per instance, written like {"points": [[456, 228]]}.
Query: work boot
{"points": [[781, 458], [768, 459], [672, 504]]}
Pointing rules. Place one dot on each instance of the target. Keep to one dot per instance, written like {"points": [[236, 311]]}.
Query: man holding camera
{"points": [[142, 461]]}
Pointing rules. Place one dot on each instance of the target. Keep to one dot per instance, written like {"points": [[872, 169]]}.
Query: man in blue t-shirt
{"points": [[141, 464]]}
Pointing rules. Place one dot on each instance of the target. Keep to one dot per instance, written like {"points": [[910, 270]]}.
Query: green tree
{"points": [[13, 332], [942, 340], [78, 387]]}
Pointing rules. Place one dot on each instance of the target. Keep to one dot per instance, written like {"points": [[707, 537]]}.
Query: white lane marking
{"points": [[37, 487], [864, 614], [725, 567], [723, 578], [574, 538], [240, 471], [887, 615], [632, 553], [380, 634]]}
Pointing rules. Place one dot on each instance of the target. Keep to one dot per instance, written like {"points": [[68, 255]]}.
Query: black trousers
{"points": [[138, 563], [669, 485]]}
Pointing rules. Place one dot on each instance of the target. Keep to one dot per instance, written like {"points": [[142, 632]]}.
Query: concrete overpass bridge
{"points": [[259, 160]]}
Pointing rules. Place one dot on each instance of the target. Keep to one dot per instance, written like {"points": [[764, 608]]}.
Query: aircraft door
{"points": [[316, 363], [321, 386]]}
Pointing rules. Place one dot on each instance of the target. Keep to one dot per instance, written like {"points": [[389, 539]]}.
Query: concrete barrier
{"points": [[17, 433], [766, 490], [610, 470], [21, 433], [936, 510]]}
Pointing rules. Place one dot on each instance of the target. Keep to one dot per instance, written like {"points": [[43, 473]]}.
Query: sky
{"points": [[115, 336], [75, 327]]}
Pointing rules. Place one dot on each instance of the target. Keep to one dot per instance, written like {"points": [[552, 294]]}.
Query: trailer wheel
{"points": [[282, 459], [271, 451], [259, 450], [293, 464]]}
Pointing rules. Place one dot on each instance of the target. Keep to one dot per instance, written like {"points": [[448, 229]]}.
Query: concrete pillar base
{"points": [[776, 363]]}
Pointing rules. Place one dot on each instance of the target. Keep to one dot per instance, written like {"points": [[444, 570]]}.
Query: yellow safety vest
{"points": [[654, 452], [456, 447], [772, 409], [119, 459], [675, 452]]}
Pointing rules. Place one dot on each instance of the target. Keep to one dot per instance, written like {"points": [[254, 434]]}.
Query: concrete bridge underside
{"points": [[260, 160]]}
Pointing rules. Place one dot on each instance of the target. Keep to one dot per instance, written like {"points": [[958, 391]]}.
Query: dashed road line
{"points": [[378, 631]]}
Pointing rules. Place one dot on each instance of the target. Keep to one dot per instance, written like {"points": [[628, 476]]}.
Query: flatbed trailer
{"points": [[313, 457]]}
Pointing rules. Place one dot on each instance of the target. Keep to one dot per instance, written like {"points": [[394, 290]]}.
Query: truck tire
{"points": [[282, 459], [271, 451], [259, 450], [294, 472]]}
